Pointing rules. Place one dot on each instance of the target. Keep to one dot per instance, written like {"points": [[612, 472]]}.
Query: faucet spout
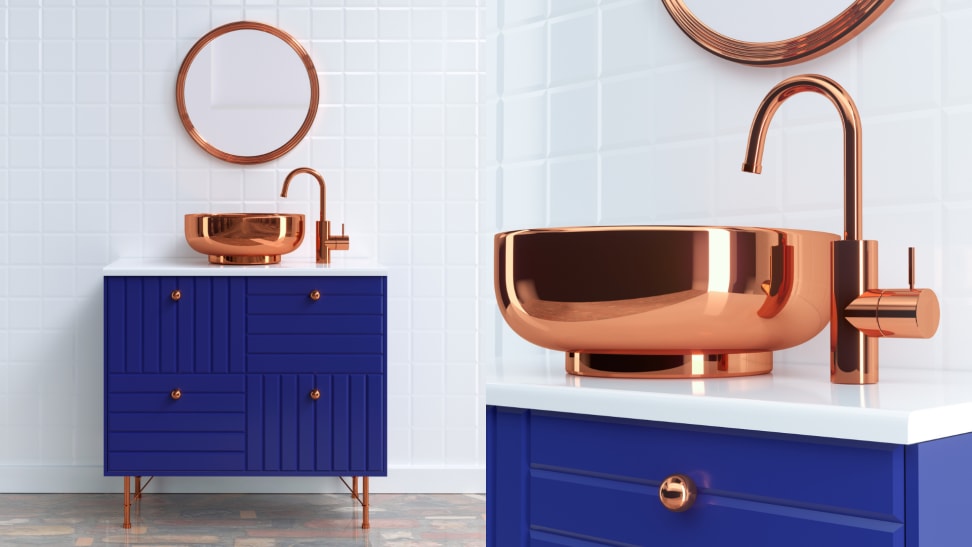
{"points": [[850, 120], [325, 241]]}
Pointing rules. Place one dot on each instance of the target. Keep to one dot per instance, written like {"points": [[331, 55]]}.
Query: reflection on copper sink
{"points": [[712, 301], [244, 238]]}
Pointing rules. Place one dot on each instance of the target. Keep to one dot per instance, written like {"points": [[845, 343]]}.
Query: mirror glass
{"points": [[765, 20], [771, 32], [247, 92]]}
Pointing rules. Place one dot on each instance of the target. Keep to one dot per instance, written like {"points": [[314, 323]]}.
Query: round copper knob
{"points": [[677, 493], [175, 394], [175, 295], [315, 295], [315, 394]]}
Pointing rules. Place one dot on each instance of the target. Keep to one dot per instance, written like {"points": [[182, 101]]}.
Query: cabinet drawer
{"points": [[341, 332], [565, 506], [149, 331], [862, 478], [150, 432], [561, 478], [335, 296]]}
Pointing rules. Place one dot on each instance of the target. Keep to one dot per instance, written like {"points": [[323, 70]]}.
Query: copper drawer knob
{"points": [[315, 295], [677, 493], [175, 394], [175, 295], [315, 394]]}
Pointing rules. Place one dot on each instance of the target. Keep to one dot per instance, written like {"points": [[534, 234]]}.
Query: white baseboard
{"points": [[90, 480]]}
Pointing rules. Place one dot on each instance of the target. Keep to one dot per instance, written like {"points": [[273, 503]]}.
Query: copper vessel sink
{"points": [[244, 238], [664, 301]]}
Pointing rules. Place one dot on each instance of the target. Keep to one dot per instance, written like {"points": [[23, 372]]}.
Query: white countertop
{"points": [[905, 407], [201, 266]]}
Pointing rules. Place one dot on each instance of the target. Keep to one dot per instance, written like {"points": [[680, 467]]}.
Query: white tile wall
{"points": [[94, 166], [606, 113]]}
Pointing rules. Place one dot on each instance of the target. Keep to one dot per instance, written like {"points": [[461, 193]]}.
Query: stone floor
{"points": [[243, 520]]}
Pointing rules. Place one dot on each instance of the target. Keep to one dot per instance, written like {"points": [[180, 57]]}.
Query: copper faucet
{"points": [[860, 313], [325, 241]]}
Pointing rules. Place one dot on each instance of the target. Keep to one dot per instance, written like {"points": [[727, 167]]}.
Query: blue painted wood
{"points": [[340, 421], [307, 425], [316, 324], [939, 479], [175, 463], [167, 323], [376, 428], [181, 441], [289, 436], [319, 363], [300, 305], [271, 423], [234, 418], [175, 421], [324, 415], [507, 480], [630, 513], [759, 464], [358, 412], [563, 479], [254, 423], [151, 339], [302, 285], [314, 344]]}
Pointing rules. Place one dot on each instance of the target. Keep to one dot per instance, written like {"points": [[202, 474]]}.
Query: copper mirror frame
{"points": [[829, 36], [311, 107]]}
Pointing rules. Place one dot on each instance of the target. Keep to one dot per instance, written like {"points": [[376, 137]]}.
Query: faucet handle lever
{"points": [[911, 268]]}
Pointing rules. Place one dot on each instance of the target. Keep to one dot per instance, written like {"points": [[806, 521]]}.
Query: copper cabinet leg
{"points": [[138, 487], [354, 486], [365, 504], [128, 504]]}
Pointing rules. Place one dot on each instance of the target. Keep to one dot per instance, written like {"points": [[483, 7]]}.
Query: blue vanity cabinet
{"points": [[579, 480], [245, 375]]}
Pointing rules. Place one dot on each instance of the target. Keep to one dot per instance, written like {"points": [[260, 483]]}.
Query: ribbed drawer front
{"points": [[146, 330], [340, 329], [342, 431], [150, 432]]}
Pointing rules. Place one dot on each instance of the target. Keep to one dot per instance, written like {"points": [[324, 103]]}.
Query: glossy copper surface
{"points": [[663, 290], [677, 493], [325, 241], [827, 37], [244, 238], [720, 365], [315, 92], [860, 312]]}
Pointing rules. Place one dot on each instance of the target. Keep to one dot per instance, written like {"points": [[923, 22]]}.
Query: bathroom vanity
{"points": [[780, 459], [244, 371]]}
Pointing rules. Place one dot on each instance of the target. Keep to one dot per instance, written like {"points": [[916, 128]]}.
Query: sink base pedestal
{"points": [[721, 365]]}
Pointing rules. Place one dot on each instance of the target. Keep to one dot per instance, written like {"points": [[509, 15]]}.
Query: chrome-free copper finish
{"points": [[315, 295], [175, 394], [860, 312], [723, 365], [175, 295], [827, 37], [244, 238], [677, 493], [663, 290], [325, 240], [315, 394], [315, 92]]}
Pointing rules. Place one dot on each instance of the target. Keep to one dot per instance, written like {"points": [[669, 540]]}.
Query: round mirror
{"points": [[773, 33], [247, 92]]}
